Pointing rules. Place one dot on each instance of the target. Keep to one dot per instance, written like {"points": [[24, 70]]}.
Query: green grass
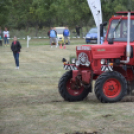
{"points": [[30, 102]]}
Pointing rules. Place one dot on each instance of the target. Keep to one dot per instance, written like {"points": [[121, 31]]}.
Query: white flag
{"points": [[95, 7]]}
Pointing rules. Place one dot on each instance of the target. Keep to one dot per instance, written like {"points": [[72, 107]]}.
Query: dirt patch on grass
{"points": [[128, 99]]}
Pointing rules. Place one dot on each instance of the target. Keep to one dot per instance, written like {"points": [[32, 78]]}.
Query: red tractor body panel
{"points": [[105, 51], [113, 60]]}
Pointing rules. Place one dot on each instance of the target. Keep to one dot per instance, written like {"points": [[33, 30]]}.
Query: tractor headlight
{"points": [[103, 61], [73, 60]]}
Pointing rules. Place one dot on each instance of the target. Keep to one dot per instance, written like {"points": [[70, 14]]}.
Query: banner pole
{"points": [[98, 34]]}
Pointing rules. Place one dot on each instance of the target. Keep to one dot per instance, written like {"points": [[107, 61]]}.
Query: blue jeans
{"points": [[6, 40], [16, 58]]}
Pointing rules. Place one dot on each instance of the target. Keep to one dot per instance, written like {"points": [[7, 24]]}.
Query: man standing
{"points": [[0, 37], [53, 37], [78, 31], [6, 36], [66, 35]]}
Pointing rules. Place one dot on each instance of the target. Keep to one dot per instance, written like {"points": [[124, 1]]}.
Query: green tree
{"points": [[37, 13], [4, 11]]}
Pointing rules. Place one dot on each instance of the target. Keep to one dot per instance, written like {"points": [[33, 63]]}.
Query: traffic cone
{"points": [[60, 46], [64, 47]]}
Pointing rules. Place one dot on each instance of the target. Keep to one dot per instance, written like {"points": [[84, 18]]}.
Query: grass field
{"points": [[30, 102]]}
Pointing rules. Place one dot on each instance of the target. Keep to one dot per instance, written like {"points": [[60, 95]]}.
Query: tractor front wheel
{"points": [[110, 87], [69, 93]]}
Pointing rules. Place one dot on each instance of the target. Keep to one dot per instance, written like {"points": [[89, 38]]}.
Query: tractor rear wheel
{"points": [[68, 93], [110, 87]]}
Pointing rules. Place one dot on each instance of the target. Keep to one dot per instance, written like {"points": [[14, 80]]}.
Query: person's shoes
{"points": [[17, 68]]}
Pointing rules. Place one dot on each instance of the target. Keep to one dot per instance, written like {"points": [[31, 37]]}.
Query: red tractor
{"points": [[111, 65]]}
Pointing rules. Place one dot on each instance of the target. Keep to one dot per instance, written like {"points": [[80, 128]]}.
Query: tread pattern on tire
{"points": [[99, 85], [63, 91]]}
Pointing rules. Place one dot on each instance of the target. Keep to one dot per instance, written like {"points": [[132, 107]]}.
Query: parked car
{"points": [[91, 36], [60, 37]]}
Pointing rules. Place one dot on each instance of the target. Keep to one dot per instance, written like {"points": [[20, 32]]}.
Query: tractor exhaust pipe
{"points": [[128, 48]]}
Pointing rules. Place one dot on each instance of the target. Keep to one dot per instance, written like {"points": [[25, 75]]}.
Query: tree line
{"points": [[22, 14]]}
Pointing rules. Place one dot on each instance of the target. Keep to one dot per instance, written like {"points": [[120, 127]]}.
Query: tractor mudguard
{"points": [[85, 75], [75, 73]]}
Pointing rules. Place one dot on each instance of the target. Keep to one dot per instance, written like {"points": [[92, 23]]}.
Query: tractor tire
{"points": [[69, 94], [110, 87]]}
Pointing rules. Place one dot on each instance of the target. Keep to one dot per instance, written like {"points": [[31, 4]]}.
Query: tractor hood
{"points": [[107, 51]]}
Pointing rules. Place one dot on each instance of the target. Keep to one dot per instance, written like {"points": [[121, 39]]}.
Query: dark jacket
{"points": [[15, 47], [78, 29]]}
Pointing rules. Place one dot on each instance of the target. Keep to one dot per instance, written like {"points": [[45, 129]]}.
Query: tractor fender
{"points": [[86, 76], [75, 73]]}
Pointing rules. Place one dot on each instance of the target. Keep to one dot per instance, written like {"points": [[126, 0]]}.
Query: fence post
{"points": [[28, 39]]}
